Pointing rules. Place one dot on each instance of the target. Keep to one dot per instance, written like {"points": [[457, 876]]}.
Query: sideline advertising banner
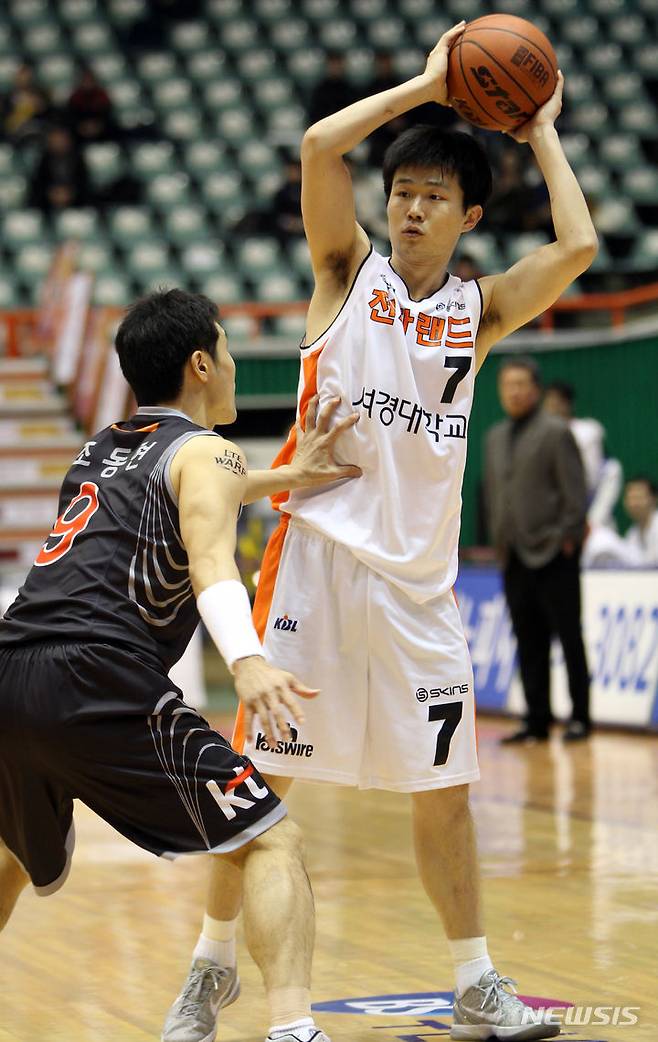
{"points": [[620, 624]]}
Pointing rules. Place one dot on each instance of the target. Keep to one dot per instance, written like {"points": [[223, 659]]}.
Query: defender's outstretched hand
{"points": [[436, 69], [314, 462], [544, 116], [271, 694]]}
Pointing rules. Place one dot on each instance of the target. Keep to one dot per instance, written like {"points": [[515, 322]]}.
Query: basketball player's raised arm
{"points": [[209, 476], [536, 281], [336, 242]]}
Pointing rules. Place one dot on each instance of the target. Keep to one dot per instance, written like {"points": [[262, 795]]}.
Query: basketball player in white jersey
{"points": [[356, 585]]}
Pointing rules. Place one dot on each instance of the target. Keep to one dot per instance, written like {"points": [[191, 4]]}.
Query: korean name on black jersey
{"points": [[114, 570]]}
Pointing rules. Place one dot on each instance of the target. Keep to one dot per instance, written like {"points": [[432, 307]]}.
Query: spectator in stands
{"points": [[287, 205], [384, 79], [604, 476], [516, 205], [281, 216], [332, 93], [466, 268], [434, 115], [89, 110], [60, 178], [641, 505], [536, 500], [639, 547], [150, 28], [26, 108], [505, 207]]}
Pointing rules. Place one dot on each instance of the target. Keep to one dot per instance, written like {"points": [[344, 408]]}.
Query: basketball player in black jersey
{"points": [[144, 544]]}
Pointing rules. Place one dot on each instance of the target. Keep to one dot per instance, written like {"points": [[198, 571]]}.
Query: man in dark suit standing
{"points": [[536, 500]]}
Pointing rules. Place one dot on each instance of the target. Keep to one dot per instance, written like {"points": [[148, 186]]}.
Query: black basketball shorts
{"points": [[90, 722]]}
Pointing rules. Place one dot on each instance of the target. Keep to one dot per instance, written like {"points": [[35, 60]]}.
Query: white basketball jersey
{"points": [[408, 368]]}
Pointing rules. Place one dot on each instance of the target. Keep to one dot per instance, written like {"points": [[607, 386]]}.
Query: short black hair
{"points": [[450, 151], [564, 389], [157, 336], [522, 362], [643, 479]]}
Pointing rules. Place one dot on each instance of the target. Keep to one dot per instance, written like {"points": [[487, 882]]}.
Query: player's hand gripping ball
{"points": [[501, 69]]}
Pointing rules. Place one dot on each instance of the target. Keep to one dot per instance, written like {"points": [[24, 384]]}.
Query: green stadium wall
{"points": [[616, 383]]}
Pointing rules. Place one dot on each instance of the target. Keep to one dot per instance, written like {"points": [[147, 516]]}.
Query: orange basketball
{"points": [[500, 70]]}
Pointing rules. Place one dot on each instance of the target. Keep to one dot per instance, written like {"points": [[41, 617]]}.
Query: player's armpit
{"points": [[527, 289], [336, 241]]}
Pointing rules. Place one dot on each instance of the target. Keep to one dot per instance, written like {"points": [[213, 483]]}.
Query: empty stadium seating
{"points": [[207, 112]]}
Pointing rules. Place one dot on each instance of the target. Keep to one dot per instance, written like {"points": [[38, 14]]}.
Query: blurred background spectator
{"points": [[641, 505], [517, 204], [25, 108], [60, 177], [89, 110], [333, 92], [431, 114], [287, 205], [536, 501], [465, 268], [604, 476], [639, 547]]}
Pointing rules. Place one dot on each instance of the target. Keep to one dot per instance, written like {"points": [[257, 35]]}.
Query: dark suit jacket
{"points": [[535, 490]]}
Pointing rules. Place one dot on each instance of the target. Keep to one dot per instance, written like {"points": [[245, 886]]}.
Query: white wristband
{"points": [[226, 612]]}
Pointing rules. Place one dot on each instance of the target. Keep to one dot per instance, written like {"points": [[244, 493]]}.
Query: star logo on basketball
{"points": [[501, 69], [285, 623]]}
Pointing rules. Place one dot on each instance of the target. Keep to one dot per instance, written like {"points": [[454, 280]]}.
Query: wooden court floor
{"points": [[569, 849]]}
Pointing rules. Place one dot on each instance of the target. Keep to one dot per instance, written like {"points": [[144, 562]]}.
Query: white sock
{"points": [[471, 959], [304, 1029], [217, 941]]}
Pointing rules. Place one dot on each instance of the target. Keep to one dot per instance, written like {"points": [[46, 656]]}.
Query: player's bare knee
{"points": [[279, 785], [442, 805], [12, 875], [284, 838]]}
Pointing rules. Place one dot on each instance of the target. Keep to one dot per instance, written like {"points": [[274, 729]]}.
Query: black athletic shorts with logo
{"points": [[90, 722]]}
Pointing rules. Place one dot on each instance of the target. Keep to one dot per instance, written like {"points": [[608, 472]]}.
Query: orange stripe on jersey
{"points": [[272, 556], [238, 780], [137, 430], [264, 594], [310, 371]]}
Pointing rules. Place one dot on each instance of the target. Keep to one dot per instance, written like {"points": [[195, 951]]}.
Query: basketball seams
{"points": [[493, 118], [502, 68], [511, 32]]}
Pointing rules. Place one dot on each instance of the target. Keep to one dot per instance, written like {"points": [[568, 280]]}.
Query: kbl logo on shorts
{"points": [[287, 624]]}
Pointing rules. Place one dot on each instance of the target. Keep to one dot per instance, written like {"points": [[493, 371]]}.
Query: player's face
{"points": [[518, 392], [222, 386], [426, 212]]}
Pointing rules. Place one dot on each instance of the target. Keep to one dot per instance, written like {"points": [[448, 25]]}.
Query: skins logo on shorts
{"points": [[422, 693], [283, 748], [286, 624]]}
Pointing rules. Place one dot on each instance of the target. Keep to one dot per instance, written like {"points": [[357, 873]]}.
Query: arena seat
{"points": [[219, 96], [76, 224]]}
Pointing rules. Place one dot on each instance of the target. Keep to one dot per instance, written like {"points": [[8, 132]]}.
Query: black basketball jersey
{"points": [[114, 569]]}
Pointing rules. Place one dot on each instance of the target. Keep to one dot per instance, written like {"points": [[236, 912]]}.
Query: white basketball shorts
{"points": [[396, 706]]}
